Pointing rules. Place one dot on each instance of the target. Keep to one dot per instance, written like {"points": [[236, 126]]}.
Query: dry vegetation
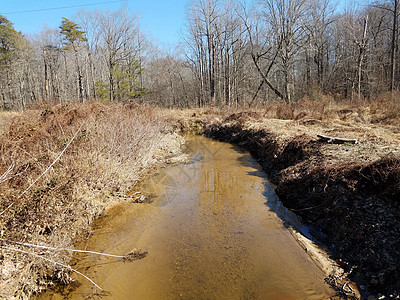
{"points": [[349, 193], [61, 165], [105, 149]]}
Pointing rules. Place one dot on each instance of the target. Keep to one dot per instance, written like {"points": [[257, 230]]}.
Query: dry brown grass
{"points": [[375, 123], [6, 118], [385, 109], [115, 145]]}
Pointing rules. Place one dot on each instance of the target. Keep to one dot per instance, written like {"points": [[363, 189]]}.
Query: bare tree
{"points": [[362, 45], [119, 46]]}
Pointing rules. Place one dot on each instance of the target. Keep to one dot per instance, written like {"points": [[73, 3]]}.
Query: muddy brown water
{"points": [[209, 234]]}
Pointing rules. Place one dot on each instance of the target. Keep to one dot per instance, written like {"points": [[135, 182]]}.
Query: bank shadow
{"points": [[289, 218]]}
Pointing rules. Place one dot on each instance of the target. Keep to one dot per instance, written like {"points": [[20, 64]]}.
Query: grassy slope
{"points": [[113, 148]]}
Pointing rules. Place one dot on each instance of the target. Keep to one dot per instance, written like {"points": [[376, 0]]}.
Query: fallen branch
{"points": [[54, 262], [336, 140], [62, 249]]}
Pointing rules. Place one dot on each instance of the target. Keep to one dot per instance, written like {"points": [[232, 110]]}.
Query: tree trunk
{"points": [[46, 74], [362, 46], [264, 76], [393, 46]]}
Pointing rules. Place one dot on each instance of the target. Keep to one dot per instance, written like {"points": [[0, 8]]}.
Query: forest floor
{"points": [[61, 166], [348, 193]]}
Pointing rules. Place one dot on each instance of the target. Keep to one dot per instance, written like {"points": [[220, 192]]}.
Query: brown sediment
{"points": [[209, 235], [349, 193]]}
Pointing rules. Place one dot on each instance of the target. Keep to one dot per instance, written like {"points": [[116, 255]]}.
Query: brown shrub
{"points": [[114, 146], [385, 109]]}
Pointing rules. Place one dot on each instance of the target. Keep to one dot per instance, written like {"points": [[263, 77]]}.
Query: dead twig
{"points": [[54, 262], [49, 167], [5, 176], [61, 249], [58, 157]]}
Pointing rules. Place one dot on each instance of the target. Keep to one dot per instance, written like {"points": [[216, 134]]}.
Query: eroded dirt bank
{"points": [[350, 193]]}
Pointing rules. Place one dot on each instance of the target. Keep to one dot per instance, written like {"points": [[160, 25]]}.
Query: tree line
{"points": [[232, 52]]}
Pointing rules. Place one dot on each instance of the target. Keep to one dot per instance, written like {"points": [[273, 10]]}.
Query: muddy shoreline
{"points": [[352, 203]]}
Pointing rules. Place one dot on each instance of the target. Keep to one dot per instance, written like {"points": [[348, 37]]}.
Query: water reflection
{"points": [[209, 235]]}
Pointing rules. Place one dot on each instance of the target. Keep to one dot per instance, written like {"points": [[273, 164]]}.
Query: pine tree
{"points": [[9, 38], [10, 42], [73, 37]]}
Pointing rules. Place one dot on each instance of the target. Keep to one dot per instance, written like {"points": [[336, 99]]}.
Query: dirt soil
{"points": [[349, 193]]}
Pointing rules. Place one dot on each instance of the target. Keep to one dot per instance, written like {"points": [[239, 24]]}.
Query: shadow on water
{"points": [[215, 230], [290, 219]]}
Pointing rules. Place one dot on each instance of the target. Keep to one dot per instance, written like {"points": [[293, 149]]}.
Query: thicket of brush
{"points": [[383, 109], [58, 165]]}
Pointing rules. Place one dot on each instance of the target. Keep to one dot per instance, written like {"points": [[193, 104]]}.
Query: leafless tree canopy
{"points": [[232, 53]]}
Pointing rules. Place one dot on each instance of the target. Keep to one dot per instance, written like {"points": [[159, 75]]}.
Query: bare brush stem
{"points": [[60, 249], [58, 157], [52, 261], [5, 177]]}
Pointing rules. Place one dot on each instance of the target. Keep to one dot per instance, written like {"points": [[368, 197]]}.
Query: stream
{"points": [[213, 230]]}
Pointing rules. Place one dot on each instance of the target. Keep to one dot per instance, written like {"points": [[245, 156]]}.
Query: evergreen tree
{"points": [[10, 39], [126, 82], [73, 36], [10, 42]]}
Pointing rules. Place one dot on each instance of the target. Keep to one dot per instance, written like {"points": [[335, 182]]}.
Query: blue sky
{"points": [[163, 19]]}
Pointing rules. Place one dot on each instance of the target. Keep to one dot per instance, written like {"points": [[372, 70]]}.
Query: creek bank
{"points": [[106, 149], [350, 193], [208, 234]]}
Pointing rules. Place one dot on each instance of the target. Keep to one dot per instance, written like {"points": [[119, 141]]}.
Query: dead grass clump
{"points": [[284, 111], [383, 177], [321, 109], [5, 119], [385, 109], [243, 116], [58, 166]]}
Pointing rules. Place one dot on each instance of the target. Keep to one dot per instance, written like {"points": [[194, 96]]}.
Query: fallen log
{"points": [[336, 140]]}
